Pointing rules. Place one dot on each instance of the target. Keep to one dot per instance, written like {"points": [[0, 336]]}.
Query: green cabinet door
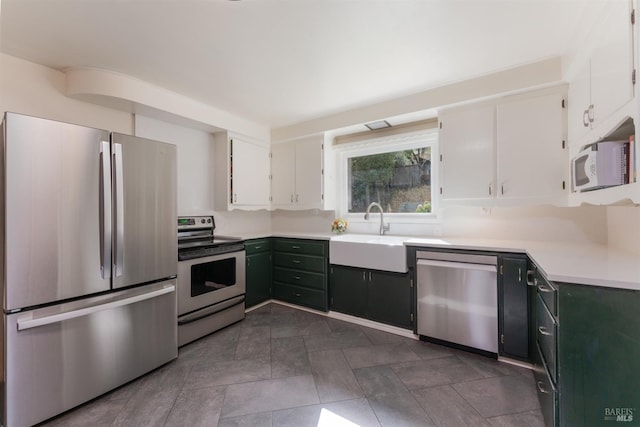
{"points": [[389, 298], [348, 290], [514, 313], [258, 272], [599, 356]]}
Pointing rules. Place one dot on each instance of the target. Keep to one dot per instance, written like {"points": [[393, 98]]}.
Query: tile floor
{"points": [[287, 367]]}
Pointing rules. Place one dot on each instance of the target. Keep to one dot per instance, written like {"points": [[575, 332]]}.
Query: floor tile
{"points": [[269, 395], [254, 342], [196, 408], [433, 372], [168, 377], [342, 326], [428, 350], [98, 413], [289, 358], [525, 419], [149, 409], [382, 354], [333, 376], [228, 372], [489, 367], [262, 419], [381, 337], [345, 413], [336, 340], [379, 380], [216, 347], [500, 395], [447, 408], [300, 328], [399, 410]]}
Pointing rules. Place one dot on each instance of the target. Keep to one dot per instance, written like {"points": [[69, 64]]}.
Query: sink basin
{"points": [[385, 253]]}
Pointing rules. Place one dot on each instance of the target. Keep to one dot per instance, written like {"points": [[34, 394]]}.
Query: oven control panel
{"points": [[191, 222]]}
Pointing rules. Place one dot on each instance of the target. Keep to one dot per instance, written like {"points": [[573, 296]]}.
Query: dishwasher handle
{"points": [[457, 265]]}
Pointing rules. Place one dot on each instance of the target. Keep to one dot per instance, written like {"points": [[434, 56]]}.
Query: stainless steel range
{"points": [[211, 279]]}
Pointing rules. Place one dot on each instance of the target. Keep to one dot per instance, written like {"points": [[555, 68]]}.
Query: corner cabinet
{"points": [[300, 272], [587, 347], [495, 151], [380, 296], [242, 167], [258, 265], [297, 174]]}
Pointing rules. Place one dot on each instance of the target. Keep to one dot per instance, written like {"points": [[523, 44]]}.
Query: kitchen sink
{"points": [[385, 253]]}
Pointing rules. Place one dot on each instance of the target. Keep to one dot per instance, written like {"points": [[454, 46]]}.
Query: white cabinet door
{"points": [[250, 174], [308, 168], [283, 186], [467, 149], [612, 60], [579, 102], [532, 160]]}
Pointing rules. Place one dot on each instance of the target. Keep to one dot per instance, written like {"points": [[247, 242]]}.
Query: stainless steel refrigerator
{"points": [[89, 261]]}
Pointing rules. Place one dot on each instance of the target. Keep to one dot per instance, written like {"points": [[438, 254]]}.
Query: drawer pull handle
{"points": [[531, 279], [545, 289], [543, 331], [541, 387], [297, 295], [295, 261], [297, 277], [295, 247], [257, 247]]}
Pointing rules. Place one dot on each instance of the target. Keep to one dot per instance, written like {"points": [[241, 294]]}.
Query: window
{"points": [[400, 173]]}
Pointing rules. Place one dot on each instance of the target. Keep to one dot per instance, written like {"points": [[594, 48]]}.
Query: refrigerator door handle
{"points": [[105, 209], [27, 323], [119, 210]]}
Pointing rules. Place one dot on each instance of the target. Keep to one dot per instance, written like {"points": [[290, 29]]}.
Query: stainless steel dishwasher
{"points": [[458, 298]]}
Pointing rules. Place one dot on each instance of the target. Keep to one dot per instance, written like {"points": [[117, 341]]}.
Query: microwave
{"points": [[601, 164]]}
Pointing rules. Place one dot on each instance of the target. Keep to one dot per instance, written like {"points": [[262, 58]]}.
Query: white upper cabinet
{"points": [[467, 144], [297, 174], [241, 173], [506, 151], [602, 78], [532, 154]]}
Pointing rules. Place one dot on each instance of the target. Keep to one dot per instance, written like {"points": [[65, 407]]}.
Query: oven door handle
{"points": [[211, 310]]}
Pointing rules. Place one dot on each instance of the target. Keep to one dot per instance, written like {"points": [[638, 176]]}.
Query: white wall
{"points": [[35, 90], [623, 226]]}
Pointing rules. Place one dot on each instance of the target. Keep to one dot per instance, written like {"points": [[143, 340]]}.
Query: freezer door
{"points": [[61, 356], [145, 242], [56, 185]]}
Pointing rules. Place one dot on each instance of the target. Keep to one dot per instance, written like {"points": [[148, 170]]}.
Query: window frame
{"points": [[399, 142]]}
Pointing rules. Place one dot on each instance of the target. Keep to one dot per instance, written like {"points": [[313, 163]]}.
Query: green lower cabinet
{"points": [[514, 308], [598, 356], [371, 294], [348, 289], [258, 271]]}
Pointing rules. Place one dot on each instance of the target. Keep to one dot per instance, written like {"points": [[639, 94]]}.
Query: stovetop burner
{"points": [[196, 239]]}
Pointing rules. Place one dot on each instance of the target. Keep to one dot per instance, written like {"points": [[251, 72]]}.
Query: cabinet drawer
{"points": [[302, 296], [547, 392], [299, 278], [546, 330], [548, 292], [300, 247], [257, 246], [300, 262]]}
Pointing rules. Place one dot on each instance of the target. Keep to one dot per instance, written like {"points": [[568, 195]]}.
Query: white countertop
{"points": [[581, 263]]}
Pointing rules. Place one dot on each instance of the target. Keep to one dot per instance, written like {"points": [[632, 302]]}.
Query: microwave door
{"points": [[580, 172]]}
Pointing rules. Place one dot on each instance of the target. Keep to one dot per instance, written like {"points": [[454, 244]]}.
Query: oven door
{"points": [[210, 280]]}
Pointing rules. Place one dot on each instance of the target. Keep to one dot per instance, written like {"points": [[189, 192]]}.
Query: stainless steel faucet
{"points": [[383, 227]]}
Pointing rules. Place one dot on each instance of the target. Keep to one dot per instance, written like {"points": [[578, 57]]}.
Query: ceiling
{"points": [[281, 62]]}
